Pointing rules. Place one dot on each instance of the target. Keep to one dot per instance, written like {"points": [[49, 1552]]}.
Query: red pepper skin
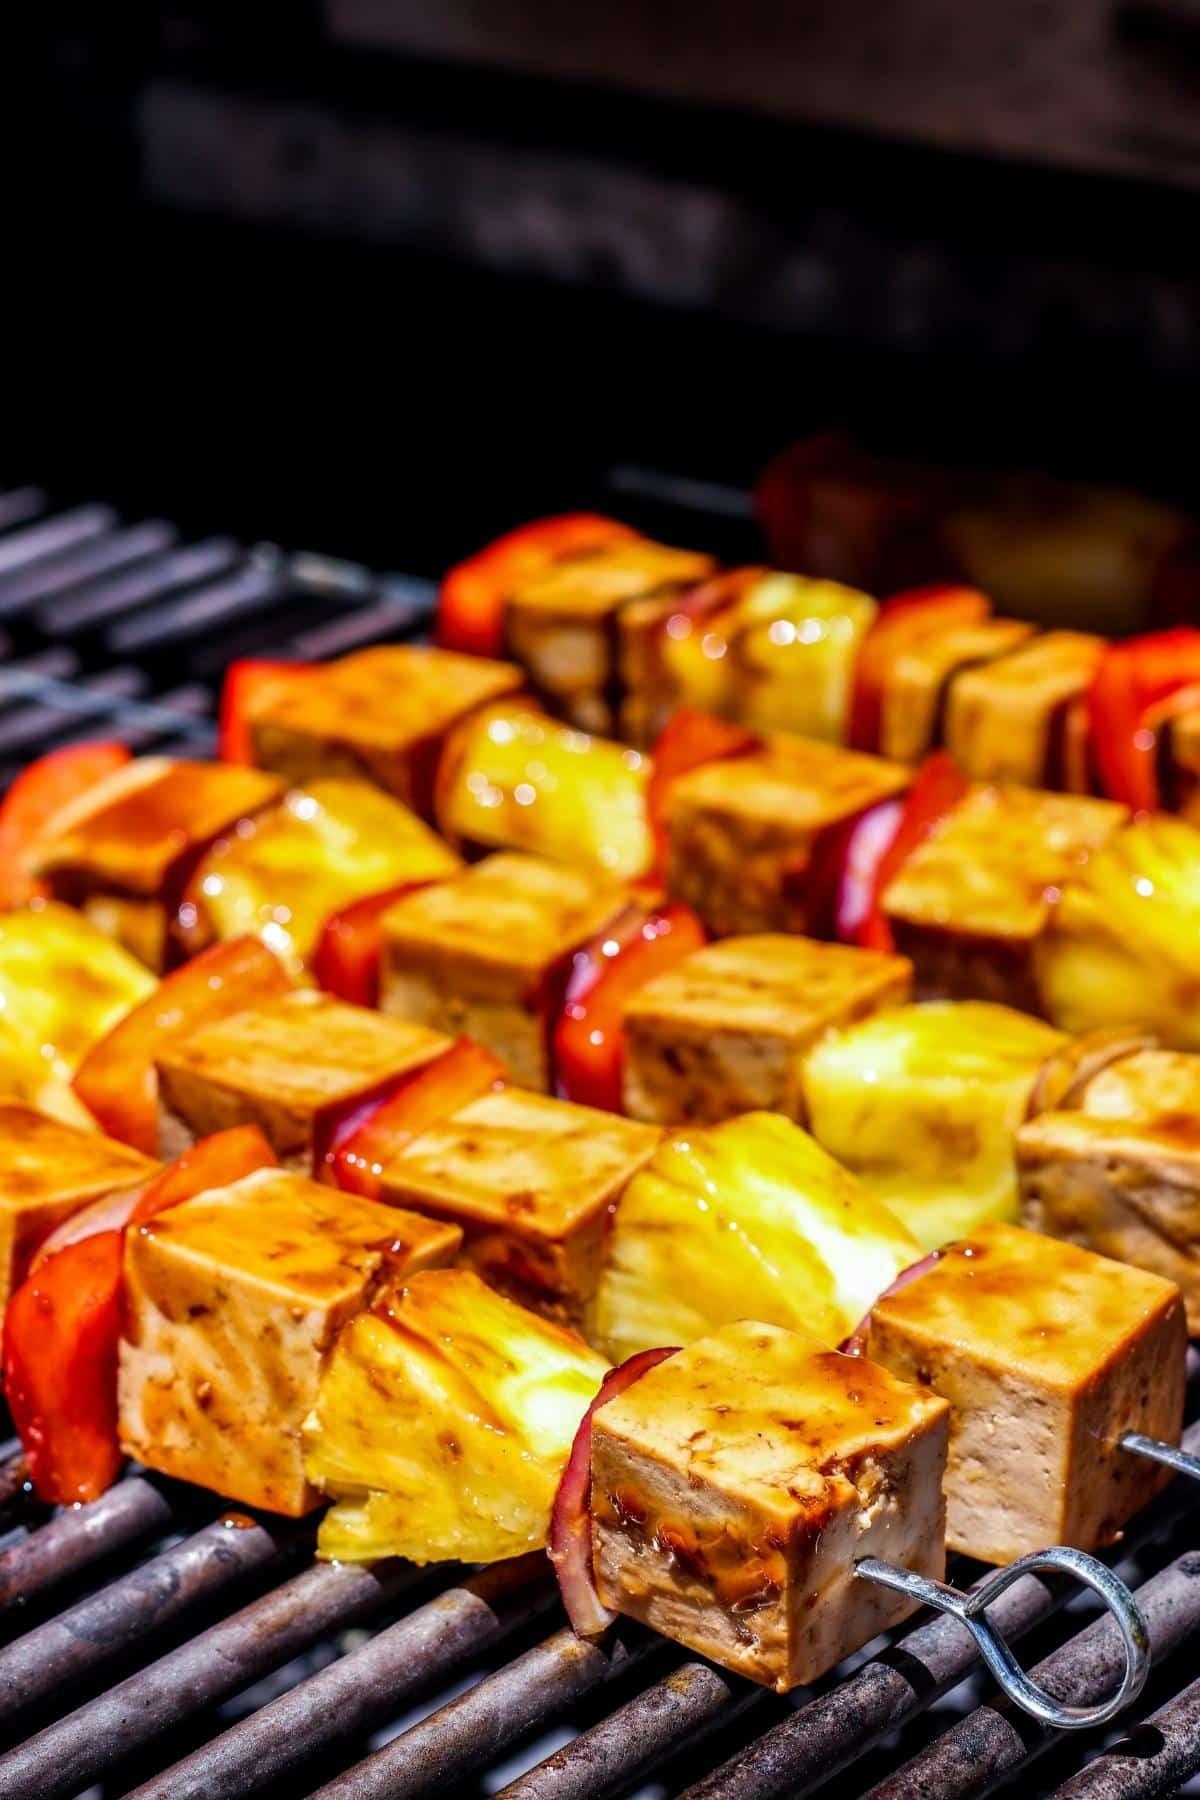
{"points": [[248, 685], [691, 739], [474, 594], [38, 792], [213, 1162], [347, 958], [937, 789], [589, 1039], [900, 619], [354, 1145], [116, 1080], [1126, 704]]}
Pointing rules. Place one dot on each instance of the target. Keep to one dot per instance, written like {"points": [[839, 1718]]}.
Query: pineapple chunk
{"points": [[63, 984], [514, 779], [1123, 946], [795, 654], [327, 845], [922, 1103], [443, 1423], [750, 1218]]}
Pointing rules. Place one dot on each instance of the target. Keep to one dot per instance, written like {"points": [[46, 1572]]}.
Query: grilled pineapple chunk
{"points": [[1123, 946], [922, 1103], [748, 1219], [443, 1423], [795, 655]]}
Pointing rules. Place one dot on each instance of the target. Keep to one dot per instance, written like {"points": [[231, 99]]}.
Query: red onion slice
{"points": [[112, 1213], [856, 1343], [865, 847], [570, 1548]]}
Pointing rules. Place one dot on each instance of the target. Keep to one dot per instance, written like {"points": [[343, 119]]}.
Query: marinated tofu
{"points": [[742, 833], [563, 626], [1120, 1172], [971, 904], [48, 1171], [914, 694], [1047, 1355], [124, 850], [380, 715], [233, 1302], [1015, 718], [728, 1028], [286, 1067], [736, 1485], [488, 954], [533, 1182]]}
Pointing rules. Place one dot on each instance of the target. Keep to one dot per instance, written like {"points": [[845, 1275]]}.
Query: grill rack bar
{"points": [[1156, 1758]]}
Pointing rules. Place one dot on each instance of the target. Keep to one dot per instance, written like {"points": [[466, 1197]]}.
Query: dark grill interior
{"points": [[157, 1646]]}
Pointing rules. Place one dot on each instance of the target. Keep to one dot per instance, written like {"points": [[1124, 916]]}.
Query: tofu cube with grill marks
{"points": [[47, 1172], [1047, 1354], [489, 953], [1121, 1174], [533, 1182], [742, 833], [234, 1300], [736, 1484], [1019, 717], [971, 904], [727, 1029], [379, 715], [916, 683], [283, 1067]]}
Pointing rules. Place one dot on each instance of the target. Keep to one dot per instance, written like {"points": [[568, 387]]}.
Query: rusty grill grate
{"points": [[155, 1645]]}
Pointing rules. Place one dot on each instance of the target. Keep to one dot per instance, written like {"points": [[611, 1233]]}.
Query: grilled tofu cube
{"points": [[736, 1484], [283, 1067], [49, 1170], [532, 1181], [489, 953], [326, 846], [793, 655], [970, 905], [914, 694], [921, 1103], [748, 1217], [124, 850], [727, 1029], [1121, 1174], [379, 715], [1123, 945], [562, 626], [444, 1422], [1013, 719], [1047, 1354], [233, 1301], [742, 833]]}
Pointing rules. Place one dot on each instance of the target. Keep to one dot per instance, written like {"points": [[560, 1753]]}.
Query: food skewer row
{"points": [[618, 632]]}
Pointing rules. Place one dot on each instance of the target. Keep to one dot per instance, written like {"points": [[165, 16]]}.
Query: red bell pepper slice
{"points": [[1125, 707], [39, 792], [347, 958], [937, 789], [589, 1039], [249, 686], [63, 1324], [691, 739], [354, 1146], [899, 621], [474, 594], [116, 1080]]}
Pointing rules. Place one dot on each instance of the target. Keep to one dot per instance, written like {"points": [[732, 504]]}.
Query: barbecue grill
{"points": [[157, 1645]]}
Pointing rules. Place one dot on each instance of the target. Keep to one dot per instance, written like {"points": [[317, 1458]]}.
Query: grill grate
{"points": [[151, 1644]]}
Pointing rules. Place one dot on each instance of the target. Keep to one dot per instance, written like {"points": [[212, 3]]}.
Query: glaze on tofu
{"points": [[48, 1171], [532, 1181], [736, 1484], [914, 692], [1047, 1354], [488, 954], [970, 905], [1016, 718], [379, 715], [234, 1300], [728, 1028], [742, 833], [283, 1067]]}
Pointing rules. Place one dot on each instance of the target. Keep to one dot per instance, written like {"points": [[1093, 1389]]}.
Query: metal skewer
{"points": [[1182, 1462]]}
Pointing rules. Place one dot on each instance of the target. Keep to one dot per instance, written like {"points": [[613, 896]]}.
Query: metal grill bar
{"points": [[1157, 1758], [133, 1509], [99, 601], [20, 505], [94, 557], [50, 537], [77, 701]]}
